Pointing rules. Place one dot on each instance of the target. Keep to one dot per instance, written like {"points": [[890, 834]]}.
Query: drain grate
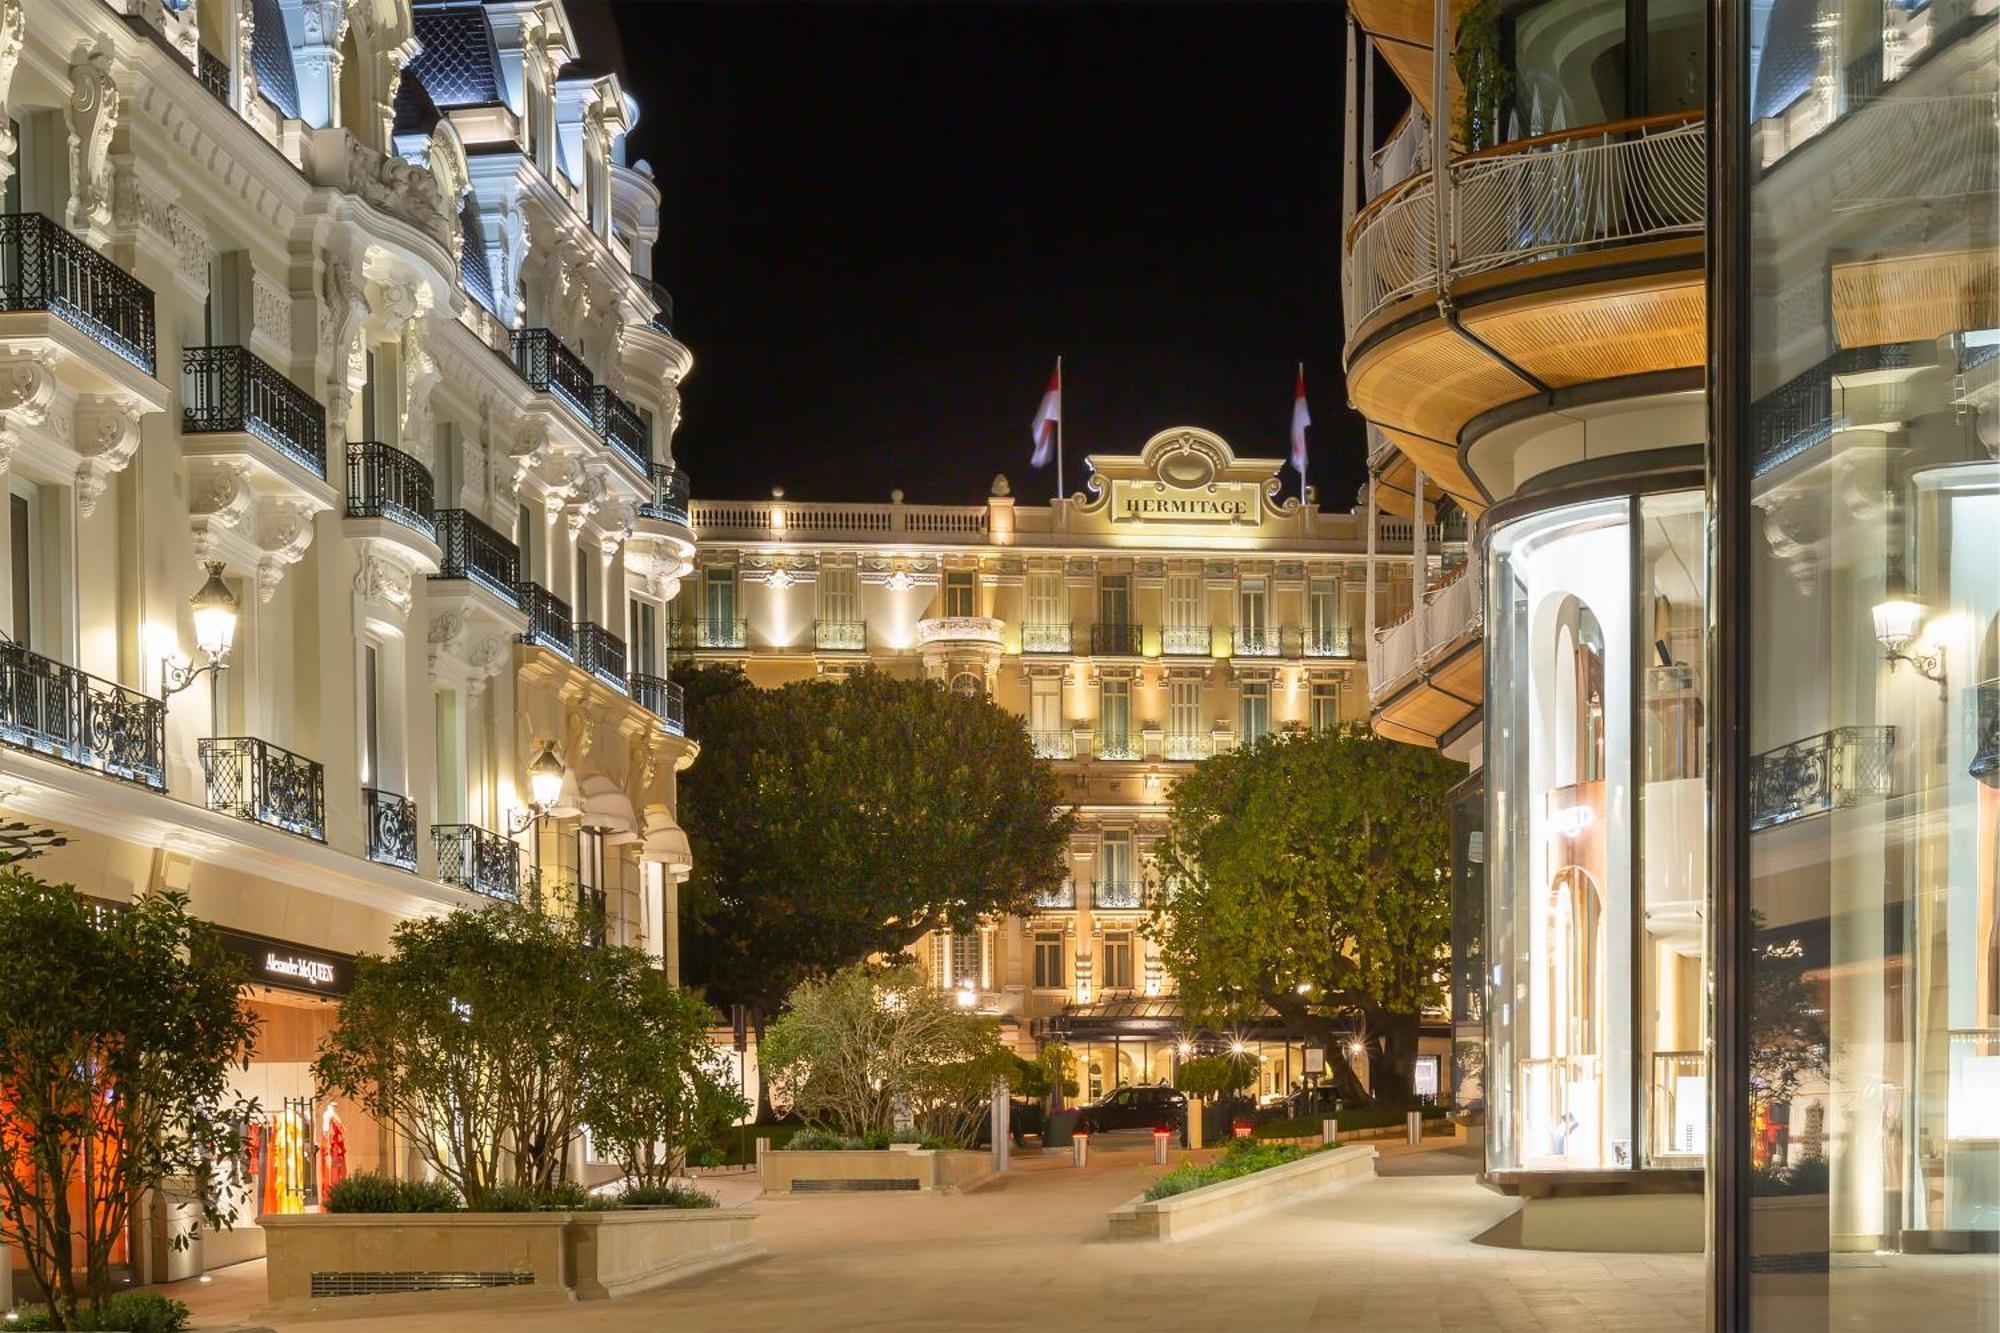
{"points": [[843, 1186], [379, 1284]]}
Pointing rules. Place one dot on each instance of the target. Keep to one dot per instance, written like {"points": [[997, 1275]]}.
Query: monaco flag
{"points": [[1301, 418], [1048, 420]]}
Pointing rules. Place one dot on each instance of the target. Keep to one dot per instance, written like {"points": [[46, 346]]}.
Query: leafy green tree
{"points": [[1208, 1076], [119, 1031], [1307, 876], [835, 821]]}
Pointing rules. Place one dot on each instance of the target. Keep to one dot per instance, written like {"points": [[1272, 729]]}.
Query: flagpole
{"points": [[1302, 471], [1059, 417]]}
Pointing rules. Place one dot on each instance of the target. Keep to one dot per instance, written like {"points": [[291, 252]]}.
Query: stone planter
{"points": [[1199, 1210], [334, 1257], [919, 1170]]}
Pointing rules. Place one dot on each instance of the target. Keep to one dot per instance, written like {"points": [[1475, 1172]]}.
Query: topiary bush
{"points": [[430, 1196], [366, 1192]]}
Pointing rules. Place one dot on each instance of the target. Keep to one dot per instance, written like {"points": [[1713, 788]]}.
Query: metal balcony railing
{"points": [[478, 860], [1061, 897], [81, 719], [212, 72], [228, 389], [473, 551], [590, 913], [663, 698], [1046, 638], [671, 490], [1117, 745], [1328, 641], [1117, 894], [1831, 771], [392, 828], [619, 425], [600, 652], [1185, 641], [548, 619], [1188, 746], [551, 368], [840, 636], [1258, 641], [384, 482], [721, 633], [1116, 640], [663, 318], [43, 267], [267, 784], [1053, 744]]}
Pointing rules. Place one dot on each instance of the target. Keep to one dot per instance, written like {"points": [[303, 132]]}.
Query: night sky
{"points": [[881, 223]]}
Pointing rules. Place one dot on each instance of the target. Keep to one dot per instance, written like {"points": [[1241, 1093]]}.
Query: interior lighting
{"points": [[1899, 618]]}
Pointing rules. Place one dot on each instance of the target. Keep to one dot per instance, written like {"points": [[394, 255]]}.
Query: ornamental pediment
{"points": [[1185, 479]]}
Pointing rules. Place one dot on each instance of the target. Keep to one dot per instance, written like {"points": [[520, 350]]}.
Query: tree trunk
{"points": [[1392, 1057], [765, 1114]]}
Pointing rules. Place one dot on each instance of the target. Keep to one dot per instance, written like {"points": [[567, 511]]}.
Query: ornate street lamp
{"points": [[545, 779], [214, 608], [1899, 618]]}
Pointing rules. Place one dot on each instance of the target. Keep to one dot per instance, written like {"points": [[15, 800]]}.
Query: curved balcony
{"points": [[386, 483], [663, 698], [959, 630], [1426, 672]]}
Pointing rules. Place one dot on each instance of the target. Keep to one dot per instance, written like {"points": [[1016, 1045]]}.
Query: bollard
{"points": [[1002, 1127], [1079, 1147], [1160, 1137], [763, 1146], [1329, 1130], [1416, 1127]]}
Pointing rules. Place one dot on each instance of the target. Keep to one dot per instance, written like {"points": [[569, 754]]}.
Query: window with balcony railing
{"points": [[548, 619], [472, 550], [1059, 898], [663, 698], [264, 783], [1329, 641], [619, 425], [1055, 744], [599, 652], [43, 267], [549, 367], [671, 490], [1185, 745], [1045, 638], [721, 633], [1258, 641], [1116, 895], [228, 389], [1116, 639], [383, 482], [71, 715], [212, 72], [478, 860], [847, 636], [1184, 640], [392, 828]]}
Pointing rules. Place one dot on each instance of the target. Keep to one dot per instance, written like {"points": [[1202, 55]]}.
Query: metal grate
{"points": [[852, 1186], [380, 1284]]}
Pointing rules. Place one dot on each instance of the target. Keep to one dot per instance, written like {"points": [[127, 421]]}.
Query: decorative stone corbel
{"points": [[384, 581], [284, 531], [28, 387], [91, 115], [529, 448], [106, 436], [13, 36]]}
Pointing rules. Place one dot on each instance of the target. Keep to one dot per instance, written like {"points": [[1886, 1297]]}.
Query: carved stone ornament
{"points": [[106, 435], [143, 217], [13, 35], [91, 115], [383, 581]]}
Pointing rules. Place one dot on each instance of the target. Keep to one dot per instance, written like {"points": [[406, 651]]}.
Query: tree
{"points": [[1307, 876], [655, 1089], [119, 1030], [1208, 1076], [854, 1048], [835, 821]]}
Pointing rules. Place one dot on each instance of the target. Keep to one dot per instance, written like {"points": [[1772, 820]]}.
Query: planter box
{"points": [[1183, 1215], [940, 1171], [319, 1257]]}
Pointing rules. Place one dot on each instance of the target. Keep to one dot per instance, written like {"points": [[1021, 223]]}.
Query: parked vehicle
{"points": [[1142, 1106]]}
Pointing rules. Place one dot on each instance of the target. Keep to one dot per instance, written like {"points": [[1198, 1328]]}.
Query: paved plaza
{"points": [[1392, 1255]]}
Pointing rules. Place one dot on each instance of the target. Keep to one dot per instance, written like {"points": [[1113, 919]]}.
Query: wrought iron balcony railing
{"points": [[212, 72], [1046, 638], [1117, 746], [721, 633], [1060, 744], [392, 828], [1329, 641], [1797, 416], [840, 636], [1116, 640], [663, 318], [267, 784], [619, 425], [1831, 771], [479, 860], [383, 482], [43, 267], [229, 389], [471, 550], [1117, 894], [1258, 641], [551, 368], [81, 719], [663, 698], [1185, 641], [1187, 746], [600, 652], [1057, 899], [671, 490], [1986, 733], [548, 619]]}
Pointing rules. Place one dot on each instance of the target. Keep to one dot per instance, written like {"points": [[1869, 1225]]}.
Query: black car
{"points": [[1138, 1107]]}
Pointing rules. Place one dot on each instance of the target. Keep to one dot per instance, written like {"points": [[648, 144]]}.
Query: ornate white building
{"points": [[349, 306]]}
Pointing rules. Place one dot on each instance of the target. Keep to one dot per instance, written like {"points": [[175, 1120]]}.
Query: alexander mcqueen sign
{"points": [[1145, 501], [288, 966]]}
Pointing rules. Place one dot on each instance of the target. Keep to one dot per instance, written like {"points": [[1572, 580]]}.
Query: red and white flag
{"points": [[1048, 420], [1301, 418]]}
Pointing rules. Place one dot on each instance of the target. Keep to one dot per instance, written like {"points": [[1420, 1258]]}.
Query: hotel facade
{"points": [[1175, 609], [338, 317]]}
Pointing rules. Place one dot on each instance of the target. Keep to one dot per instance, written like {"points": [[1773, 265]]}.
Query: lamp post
{"points": [[215, 614]]}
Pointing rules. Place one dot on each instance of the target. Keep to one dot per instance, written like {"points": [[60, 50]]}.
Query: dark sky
{"points": [[881, 223]]}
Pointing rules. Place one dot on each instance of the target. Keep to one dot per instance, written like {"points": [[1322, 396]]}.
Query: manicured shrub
{"points": [[508, 1199], [1242, 1157], [125, 1312], [667, 1196], [430, 1196], [366, 1192], [814, 1139]]}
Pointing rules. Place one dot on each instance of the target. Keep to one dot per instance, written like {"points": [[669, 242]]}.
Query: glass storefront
{"points": [[1596, 849], [1870, 1143]]}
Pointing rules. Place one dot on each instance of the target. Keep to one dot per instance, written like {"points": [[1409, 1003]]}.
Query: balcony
{"points": [[44, 268], [840, 636], [600, 652], [1831, 771], [671, 490], [264, 783], [1059, 899], [1117, 895], [548, 619], [392, 828], [1185, 747], [663, 698], [1053, 744], [1185, 641], [473, 551], [71, 715], [722, 634], [478, 860], [1119, 746], [619, 425], [383, 482], [227, 390], [1328, 641], [1425, 672], [549, 367], [1117, 640], [1257, 641], [212, 72], [1046, 638], [980, 630]]}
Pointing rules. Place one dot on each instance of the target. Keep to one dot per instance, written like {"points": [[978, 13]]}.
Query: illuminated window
{"points": [[1254, 710], [1118, 960], [961, 592], [1049, 960]]}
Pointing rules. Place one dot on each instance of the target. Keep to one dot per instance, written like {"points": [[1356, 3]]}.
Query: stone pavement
{"points": [[1393, 1255]]}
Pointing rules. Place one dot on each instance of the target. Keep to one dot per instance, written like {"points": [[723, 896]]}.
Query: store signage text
{"points": [[312, 971], [1149, 502]]}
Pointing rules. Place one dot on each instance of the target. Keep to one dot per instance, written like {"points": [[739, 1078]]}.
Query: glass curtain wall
{"points": [[1869, 1146]]}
